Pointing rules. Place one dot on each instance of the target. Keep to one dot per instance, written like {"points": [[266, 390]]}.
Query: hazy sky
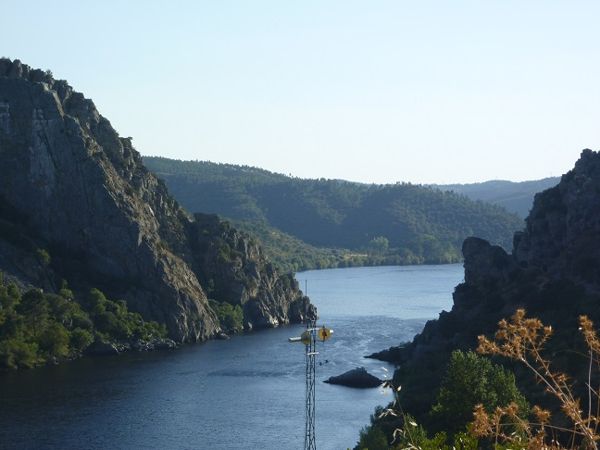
{"points": [[375, 91]]}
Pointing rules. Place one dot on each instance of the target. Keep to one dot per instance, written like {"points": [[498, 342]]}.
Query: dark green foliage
{"points": [[421, 224], [231, 317], [15, 353], [471, 380], [81, 339], [417, 436], [290, 254], [372, 438], [54, 340], [410, 435], [414, 434], [44, 256], [379, 245], [113, 320], [37, 327]]}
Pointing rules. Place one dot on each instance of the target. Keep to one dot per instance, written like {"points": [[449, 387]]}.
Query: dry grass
{"points": [[523, 339]]}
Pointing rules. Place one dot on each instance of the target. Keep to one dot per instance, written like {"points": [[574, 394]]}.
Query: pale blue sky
{"points": [[374, 91]]}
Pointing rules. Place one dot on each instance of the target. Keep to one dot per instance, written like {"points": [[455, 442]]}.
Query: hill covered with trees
{"points": [[334, 222], [516, 197]]}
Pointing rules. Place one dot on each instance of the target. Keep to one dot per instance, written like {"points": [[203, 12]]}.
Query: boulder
{"points": [[222, 336], [164, 344], [357, 378]]}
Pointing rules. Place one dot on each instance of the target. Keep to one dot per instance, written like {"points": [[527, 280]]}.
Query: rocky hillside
{"points": [[553, 272], [77, 203]]}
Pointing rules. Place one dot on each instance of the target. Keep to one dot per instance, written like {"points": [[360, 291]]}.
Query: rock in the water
{"points": [[357, 378], [222, 336], [164, 344]]}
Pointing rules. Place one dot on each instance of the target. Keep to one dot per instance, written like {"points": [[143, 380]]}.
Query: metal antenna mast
{"points": [[311, 356], [309, 339]]}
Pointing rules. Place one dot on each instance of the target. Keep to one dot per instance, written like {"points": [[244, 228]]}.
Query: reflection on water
{"points": [[245, 393]]}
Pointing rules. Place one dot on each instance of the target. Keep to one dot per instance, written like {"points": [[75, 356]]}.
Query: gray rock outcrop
{"points": [[235, 270]]}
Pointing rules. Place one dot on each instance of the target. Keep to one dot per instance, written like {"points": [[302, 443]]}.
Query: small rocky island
{"points": [[356, 378]]}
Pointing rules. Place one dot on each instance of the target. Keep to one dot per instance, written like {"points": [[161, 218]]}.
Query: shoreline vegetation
{"points": [[38, 328], [291, 254]]}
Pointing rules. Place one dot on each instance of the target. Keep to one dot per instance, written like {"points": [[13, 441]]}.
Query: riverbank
{"points": [[247, 392]]}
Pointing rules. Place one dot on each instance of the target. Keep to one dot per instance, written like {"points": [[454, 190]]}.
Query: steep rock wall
{"points": [[107, 221], [553, 272]]}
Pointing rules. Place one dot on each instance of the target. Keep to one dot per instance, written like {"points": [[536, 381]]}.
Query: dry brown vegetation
{"points": [[574, 426], [523, 339]]}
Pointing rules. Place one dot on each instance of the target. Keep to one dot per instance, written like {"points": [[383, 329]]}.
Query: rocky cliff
{"points": [[234, 270], [76, 202], [553, 272]]}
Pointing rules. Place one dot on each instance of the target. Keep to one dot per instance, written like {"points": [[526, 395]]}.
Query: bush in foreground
{"points": [[500, 418]]}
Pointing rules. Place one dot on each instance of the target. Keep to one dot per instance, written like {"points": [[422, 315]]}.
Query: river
{"points": [[245, 393]]}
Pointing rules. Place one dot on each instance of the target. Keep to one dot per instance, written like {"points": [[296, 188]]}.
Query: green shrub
{"points": [[44, 256], [372, 438], [80, 339], [15, 354], [378, 245], [37, 327], [231, 318], [470, 380], [54, 341]]}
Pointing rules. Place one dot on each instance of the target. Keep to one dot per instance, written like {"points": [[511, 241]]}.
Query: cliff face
{"points": [[234, 269], [553, 272], [69, 181], [563, 228]]}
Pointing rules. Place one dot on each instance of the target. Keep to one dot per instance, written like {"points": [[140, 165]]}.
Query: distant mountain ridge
{"points": [[516, 197], [393, 224]]}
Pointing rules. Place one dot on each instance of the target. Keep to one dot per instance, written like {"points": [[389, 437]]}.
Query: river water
{"points": [[245, 393]]}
